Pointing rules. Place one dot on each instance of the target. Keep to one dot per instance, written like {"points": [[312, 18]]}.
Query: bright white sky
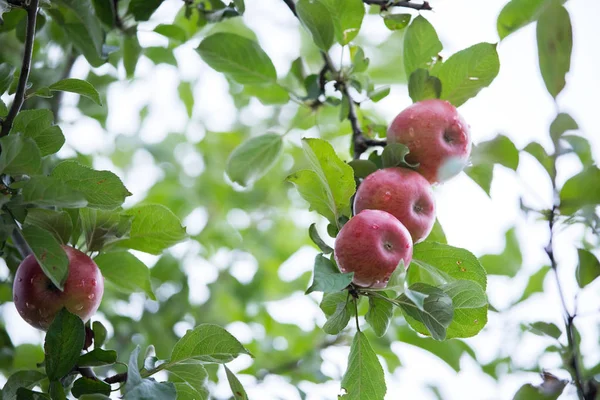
{"points": [[516, 104]]}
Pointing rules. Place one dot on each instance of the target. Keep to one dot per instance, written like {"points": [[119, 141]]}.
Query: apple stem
{"points": [[355, 300]]}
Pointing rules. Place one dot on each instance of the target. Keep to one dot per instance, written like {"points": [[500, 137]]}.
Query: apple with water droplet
{"points": [[372, 244], [38, 300], [436, 135], [403, 193]]}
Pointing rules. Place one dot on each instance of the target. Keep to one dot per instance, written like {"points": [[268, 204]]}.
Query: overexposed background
{"points": [[516, 104]]}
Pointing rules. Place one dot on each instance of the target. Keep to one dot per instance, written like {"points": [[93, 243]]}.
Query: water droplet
{"points": [[408, 245], [411, 131], [79, 307], [82, 282], [375, 226], [30, 306], [16, 298], [91, 296], [458, 262], [20, 280], [387, 196], [32, 280], [93, 282], [28, 321]]}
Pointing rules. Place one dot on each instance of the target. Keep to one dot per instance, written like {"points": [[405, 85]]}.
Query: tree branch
{"points": [[570, 328], [118, 378], [385, 4], [57, 99], [32, 10]]}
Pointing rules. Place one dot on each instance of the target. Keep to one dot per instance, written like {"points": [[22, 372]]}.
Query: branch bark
{"points": [[32, 10]]}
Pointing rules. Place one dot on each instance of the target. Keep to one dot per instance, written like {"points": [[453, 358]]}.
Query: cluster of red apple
{"points": [[395, 207], [38, 300]]}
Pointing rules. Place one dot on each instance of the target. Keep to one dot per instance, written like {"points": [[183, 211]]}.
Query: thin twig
{"points": [[570, 328], [32, 10], [57, 99], [291, 6], [385, 4]]}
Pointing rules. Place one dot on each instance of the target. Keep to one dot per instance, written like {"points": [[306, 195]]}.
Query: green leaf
{"points": [[6, 76], [318, 20], [25, 394], [21, 379], [540, 154], [561, 124], [545, 329], [329, 184], [508, 262], [519, 13], [58, 223], [160, 55], [581, 147], [437, 233], [102, 189], [47, 191], [86, 385], [190, 381], [142, 10], [39, 126], [268, 94], [63, 344], [240, 58], [588, 268], [327, 277], [379, 94], [551, 389], [581, 190], [126, 272], [436, 263], [241, 6], [330, 302], [254, 158], [137, 388], [470, 308], [131, 52], [339, 319], [347, 18], [78, 19], [535, 284], [97, 357], [100, 334], [360, 62], [236, 387], [186, 94], [105, 11], [3, 109], [20, 156], [364, 379], [499, 150], [468, 71], [362, 168], [422, 86], [78, 86], [154, 228], [396, 22], [437, 311], [394, 155], [421, 45], [207, 343], [380, 314], [555, 42], [49, 254], [314, 236], [102, 227]]}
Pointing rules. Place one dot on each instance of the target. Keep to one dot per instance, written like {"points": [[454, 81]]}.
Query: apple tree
{"points": [[129, 303]]}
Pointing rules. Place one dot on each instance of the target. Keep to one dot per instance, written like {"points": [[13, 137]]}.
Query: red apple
{"points": [[437, 137], [38, 300], [371, 245], [403, 193]]}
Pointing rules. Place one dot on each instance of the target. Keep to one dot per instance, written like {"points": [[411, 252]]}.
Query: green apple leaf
{"points": [[49, 254], [588, 268], [103, 227], [39, 126], [254, 158], [102, 189], [421, 45], [470, 308], [380, 314], [207, 343], [327, 277], [86, 385], [238, 57], [21, 379], [126, 272], [58, 223], [340, 318], [555, 43], [509, 261], [545, 329], [77, 86], [314, 236], [422, 86], [519, 13], [142, 10], [46, 191], [396, 22], [581, 190], [364, 378], [20, 156], [63, 344], [437, 311], [138, 388], [535, 284], [239, 393], [329, 184], [97, 357], [190, 380], [316, 17], [154, 228], [347, 18]]}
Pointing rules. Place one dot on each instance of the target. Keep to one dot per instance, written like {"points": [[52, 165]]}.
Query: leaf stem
{"points": [[355, 300], [32, 9], [385, 4]]}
